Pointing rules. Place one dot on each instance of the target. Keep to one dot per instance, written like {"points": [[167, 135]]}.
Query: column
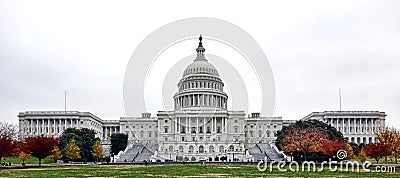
{"points": [[197, 126], [212, 125], [223, 124]]}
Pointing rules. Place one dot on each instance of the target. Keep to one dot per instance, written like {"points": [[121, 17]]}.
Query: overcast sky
{"points": [[314, 49]]}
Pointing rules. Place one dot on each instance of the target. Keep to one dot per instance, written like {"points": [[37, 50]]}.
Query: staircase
{"points": [[264, 151], [138, 152]]}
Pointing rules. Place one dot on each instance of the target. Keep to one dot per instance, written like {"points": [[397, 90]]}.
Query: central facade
{"points": [[197, 128], [200, 128]]}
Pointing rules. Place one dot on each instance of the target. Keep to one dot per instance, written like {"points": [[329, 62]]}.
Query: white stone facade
{"points": [[53, 123], [356, 126], [200, 127]]}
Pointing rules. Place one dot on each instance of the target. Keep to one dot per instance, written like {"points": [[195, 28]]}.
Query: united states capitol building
{"points": [[200, 128]]}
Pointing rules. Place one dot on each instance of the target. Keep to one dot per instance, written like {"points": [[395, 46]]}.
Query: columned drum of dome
{"points": [[200, 86]]}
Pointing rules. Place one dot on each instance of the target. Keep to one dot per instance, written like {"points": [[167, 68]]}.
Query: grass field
{"points": [[33, 161], [174, 171]]}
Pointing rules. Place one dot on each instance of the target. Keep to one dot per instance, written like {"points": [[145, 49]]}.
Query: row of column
{"points": [[109, 130], [197, 85], [200, 100], [188, 127], [357, 123], [51, 126]]}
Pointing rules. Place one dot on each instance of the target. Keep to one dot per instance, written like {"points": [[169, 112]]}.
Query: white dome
{"points": [[200, 66]]}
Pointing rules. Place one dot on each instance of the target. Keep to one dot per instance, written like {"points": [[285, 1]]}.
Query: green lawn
{"points": [[174, 171], [32, 161]]}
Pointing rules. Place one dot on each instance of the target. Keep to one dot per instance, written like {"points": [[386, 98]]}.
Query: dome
{"points": [[200, 66]]}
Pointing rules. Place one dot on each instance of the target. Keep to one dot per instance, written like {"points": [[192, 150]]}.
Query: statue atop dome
{"points": [[200, 43]]}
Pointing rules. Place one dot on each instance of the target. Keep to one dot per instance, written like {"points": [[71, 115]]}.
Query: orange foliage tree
{"points": [[304, 141]]}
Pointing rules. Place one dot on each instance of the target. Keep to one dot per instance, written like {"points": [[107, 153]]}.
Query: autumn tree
{"points": [[331, 147], [97, 150], [24, 156], [304, 141], [362, 155], [72, 150], [55, 154], [40, 146], [350, 151], [390, 138], [85, 139], [8, 137], [377, 150]]}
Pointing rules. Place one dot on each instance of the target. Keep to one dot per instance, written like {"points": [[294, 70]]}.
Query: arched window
{"points": [[201, 149], [171, 148], [191, 149], [181, 148]]}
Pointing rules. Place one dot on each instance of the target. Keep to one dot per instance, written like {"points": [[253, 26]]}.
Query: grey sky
{"points": [[313, 47]]}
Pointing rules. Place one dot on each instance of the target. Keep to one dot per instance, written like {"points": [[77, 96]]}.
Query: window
{"points": [[231, 148], [126, 126], [218, 129], [166, 121], [193, 129], [171, 148], [165, 129], [259, 133], [191, 149], [181, 149], [149, 134], [165, 138], [183, 139], [211, 149], [236, 129], [208, 129], [183, 129], [236, 121], [221, 149]]}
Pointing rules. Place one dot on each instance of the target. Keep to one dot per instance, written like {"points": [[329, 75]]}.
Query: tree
{"points": [[376, 150], [362, 155], [40, 146], [390, 137], [97, 150], [8, 137], [333, 134], [8, 130], [304, 141], [24, 156], [55, 154], [72, 150], [331, 147], [7, 147], [349, 151], [85, 139], [119, 141]]}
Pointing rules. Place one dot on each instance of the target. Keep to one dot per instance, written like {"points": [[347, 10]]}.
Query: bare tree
{"points": [[8, 130]]}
